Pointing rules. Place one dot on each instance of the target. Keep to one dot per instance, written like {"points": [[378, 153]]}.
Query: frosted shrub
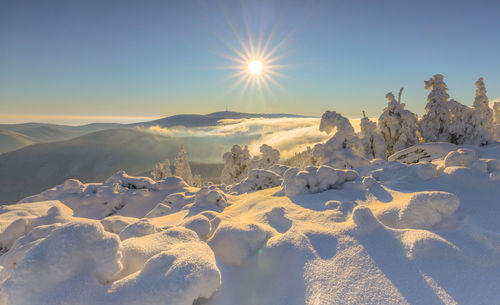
{"points": [[162, 170], [236, 164]]}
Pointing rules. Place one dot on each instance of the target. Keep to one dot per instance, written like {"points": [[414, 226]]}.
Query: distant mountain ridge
{"points": [[16, 136], [211, 119]]}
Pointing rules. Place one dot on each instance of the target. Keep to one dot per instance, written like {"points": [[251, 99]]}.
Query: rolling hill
{"points": [[93, 158]]}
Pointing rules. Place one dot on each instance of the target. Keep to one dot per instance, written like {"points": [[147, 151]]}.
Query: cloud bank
{"points": [[289, 135]]}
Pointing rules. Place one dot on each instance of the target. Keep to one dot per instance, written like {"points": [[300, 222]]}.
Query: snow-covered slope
{"points": [[392, 233]]}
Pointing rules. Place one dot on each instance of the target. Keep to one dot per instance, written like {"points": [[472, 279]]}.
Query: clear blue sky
{"points": [[157, 58]]}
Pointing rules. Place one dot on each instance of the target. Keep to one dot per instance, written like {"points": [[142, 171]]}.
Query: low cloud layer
{"points": [[289, 135]]}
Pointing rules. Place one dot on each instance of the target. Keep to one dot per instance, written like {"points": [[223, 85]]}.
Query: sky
{"points": [[124, 60]]}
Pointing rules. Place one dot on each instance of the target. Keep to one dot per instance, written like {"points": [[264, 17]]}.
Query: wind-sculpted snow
{"points": [[410, 232]]}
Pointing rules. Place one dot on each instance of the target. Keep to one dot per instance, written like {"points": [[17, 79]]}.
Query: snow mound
{"points": [[18, 220], [61, 267], [137, 250], [258, 179], [422, 151], [235, 242], [116, 224], [210, 197], [139, 228], [426, 209], [315, 179], [180, 275], [465, 158], [396, 171], [200, 224]]}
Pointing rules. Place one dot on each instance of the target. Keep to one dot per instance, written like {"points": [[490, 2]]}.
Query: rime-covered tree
{"points": [[371, 141], [433, 126], [236, 165], [162, 170], [269, 157], [397, 126], [484, 126], [182, 168], [339, 151]]}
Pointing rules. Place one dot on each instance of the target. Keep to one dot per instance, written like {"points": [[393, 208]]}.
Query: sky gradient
{"points": [[117, 60]]}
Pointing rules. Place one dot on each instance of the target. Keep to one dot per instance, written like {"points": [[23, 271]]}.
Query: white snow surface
{"points": [[420, 229]]}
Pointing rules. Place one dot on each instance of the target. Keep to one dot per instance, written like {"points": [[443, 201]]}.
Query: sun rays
{"points": [[256, 63]]}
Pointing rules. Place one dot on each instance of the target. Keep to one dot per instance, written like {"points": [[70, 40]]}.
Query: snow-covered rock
{"points": [[423, 152], [210, 197], [257, 179], [315, 179]]}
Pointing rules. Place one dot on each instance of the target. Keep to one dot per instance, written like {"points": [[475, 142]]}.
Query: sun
{"points": [[256, 63], [255, 67]]}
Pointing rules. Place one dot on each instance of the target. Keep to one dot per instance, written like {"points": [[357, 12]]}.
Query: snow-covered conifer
{"points": [[182, 168], [483, 116], [433, 126], [236, 164], [372, 143], [162, 170], [398, 126]]}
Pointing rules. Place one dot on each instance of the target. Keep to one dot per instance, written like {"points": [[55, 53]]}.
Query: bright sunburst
{"points": [[255, 64], [255, 67]]}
